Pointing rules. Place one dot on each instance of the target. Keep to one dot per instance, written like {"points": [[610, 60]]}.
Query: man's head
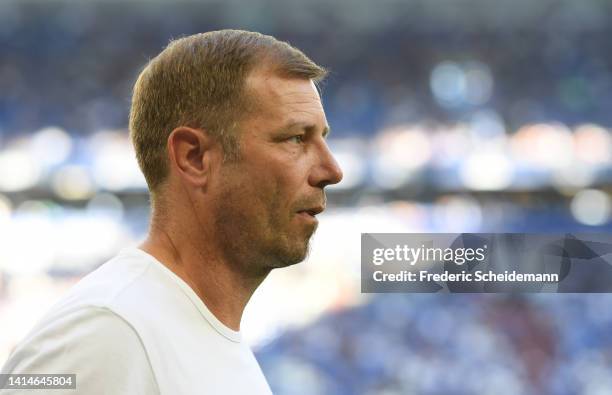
{"points": [[199, 81], [233, 121]]}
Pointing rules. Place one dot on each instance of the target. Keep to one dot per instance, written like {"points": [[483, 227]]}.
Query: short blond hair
{"points": [[198, 81]]}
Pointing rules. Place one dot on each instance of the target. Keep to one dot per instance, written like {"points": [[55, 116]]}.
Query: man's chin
{"points": [[292, 256]]}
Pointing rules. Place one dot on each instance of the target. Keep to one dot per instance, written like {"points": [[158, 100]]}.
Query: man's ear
{"points": [[189, 153]]}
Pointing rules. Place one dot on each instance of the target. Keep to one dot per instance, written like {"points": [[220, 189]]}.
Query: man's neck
{"points": [[224, 291]]}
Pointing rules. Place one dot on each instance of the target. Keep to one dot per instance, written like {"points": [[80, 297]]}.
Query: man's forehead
{"points": [[270, 87], [281, 100]]}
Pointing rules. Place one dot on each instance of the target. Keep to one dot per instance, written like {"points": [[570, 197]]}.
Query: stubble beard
{"points": [[290, 252], [258, 244]]}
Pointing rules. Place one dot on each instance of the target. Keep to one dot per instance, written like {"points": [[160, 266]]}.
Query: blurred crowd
{"points": [[450, 344], [72, 64], [432, 98]]}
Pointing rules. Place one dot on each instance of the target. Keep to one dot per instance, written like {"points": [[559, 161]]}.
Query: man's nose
{"points": [[326, 170]]}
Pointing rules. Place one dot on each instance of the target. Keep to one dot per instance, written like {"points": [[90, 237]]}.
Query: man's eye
{"points": [[297, 139]]}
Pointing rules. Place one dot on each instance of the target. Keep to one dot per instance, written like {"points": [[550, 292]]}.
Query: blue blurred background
{"points": [[447, 116]]}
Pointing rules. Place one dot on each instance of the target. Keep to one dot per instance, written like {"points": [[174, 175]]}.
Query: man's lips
{"points": [[313, 210]]}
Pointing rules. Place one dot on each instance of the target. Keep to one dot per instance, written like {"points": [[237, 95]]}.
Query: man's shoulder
{"points": [[77, 329], [107, 283], [92, 342], [105, 291]]}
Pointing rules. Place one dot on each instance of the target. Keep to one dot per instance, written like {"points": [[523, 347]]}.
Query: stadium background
{"points": [[447, 116]]}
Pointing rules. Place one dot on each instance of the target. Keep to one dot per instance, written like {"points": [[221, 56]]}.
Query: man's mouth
{"points": [[309, 214], [313, 211]]}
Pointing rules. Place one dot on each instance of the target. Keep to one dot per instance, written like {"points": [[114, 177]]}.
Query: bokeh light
{"points": [[591, 207]]}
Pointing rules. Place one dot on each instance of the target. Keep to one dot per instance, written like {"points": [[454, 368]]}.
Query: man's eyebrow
{"points": [[307, 126]]}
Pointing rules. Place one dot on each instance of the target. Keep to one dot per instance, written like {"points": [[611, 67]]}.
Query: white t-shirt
{"points": [[134, 327]]}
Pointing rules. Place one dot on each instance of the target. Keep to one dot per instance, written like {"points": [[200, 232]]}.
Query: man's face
{"points": [[266, 201]]}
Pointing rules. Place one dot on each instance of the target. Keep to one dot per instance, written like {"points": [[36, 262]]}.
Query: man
{"points": [[230, 133]]}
